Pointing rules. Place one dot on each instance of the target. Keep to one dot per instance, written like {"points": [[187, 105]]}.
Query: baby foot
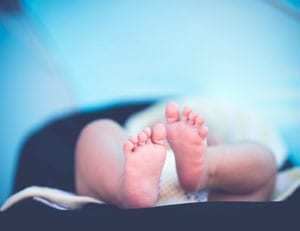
{"points": [[187, 138], [145, 156]]}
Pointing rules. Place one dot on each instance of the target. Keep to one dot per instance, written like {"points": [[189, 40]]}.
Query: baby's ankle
{"points": [[209, 173]]}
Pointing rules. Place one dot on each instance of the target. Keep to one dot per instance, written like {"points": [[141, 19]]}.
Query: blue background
{"points": [[61, 56]]}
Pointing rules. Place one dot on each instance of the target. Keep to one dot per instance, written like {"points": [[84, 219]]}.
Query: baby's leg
{"points": [[104, 172], [236, 171], [99, 161], [241, 171]]}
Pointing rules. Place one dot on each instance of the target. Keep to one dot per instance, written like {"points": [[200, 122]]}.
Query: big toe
{"points": [[158, 134], [172, 112]]}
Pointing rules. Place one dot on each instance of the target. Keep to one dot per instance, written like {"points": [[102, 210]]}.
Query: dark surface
{"points": [[31, 215]]}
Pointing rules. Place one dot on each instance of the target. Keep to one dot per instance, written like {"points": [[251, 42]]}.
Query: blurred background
{"points": [[59, 56]]}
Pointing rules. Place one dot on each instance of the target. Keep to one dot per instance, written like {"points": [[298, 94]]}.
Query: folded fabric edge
{"points": [[67, 200], [62, 198]]}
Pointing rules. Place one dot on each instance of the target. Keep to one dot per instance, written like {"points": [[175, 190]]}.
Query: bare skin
{"points": [[145, 156], [128, 175], [242, 171], [187, 138]]}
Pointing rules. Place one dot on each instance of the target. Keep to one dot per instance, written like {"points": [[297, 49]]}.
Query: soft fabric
{"points": [[52, 197], [287, 183], [170, 192]]}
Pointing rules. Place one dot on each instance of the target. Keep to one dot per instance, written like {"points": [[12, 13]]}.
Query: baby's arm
{"points": [[243, 171]]}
